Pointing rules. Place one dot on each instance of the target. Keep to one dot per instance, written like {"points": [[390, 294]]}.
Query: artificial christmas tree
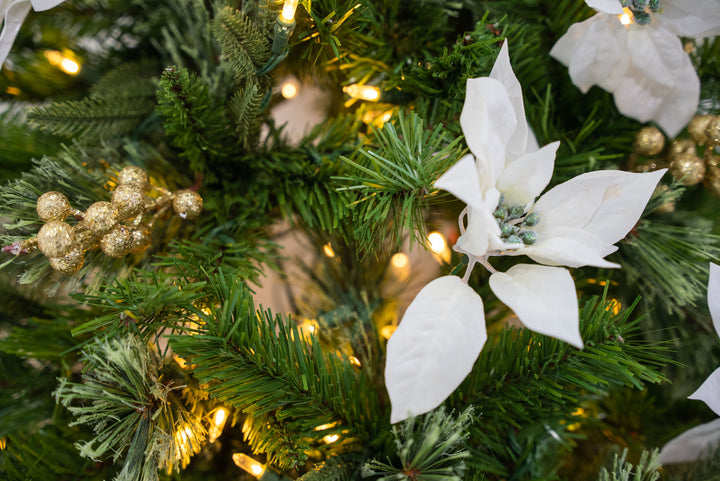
{"points": [[229, 250]]}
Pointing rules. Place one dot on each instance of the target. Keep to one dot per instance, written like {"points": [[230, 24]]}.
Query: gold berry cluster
{"points": [[117, 228], [691, 161]]}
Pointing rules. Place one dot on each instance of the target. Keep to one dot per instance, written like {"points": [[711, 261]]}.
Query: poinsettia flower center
{"points": [[515, 223], [638, 11]]}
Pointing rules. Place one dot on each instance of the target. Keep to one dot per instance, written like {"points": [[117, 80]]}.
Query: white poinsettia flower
{"points": [[637, 56], [574, 224], [701, 441], [13, 13]]}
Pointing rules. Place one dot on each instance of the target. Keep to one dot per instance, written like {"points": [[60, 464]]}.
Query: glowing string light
{"points": [[63, 61], [331, 438], [363, 92], [328, 250], [288, 11], [248, 464], [627, 17], [218, 423], [289, 89]]}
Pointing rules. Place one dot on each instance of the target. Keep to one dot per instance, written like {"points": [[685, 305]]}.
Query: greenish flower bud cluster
{"points": [[641, 9], [514, 223]]}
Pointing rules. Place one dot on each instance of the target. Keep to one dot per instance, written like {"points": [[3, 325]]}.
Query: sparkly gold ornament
{"points": [[141, 237], [129, 200], [681, 147], [117, 242], [100, 218], [712, 131], [697, 127], [55, 238], [70, 263], [85, 238], [132, 175], [53, 206], [649, 141], [187, 204], [712, 180], [688, 168]]}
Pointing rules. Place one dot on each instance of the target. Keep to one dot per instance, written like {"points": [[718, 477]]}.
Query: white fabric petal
{"points": [[692, 18], [482, 231], [434, 347], [40, 5], [709, 392], [606, 203], [524, 179], [713, 296], [661, 83], [569, 247], [14, 17], [692, 445], [488, 121], [461, 180], [607, 6], [543, 298], [502, 71], [594, 52]]}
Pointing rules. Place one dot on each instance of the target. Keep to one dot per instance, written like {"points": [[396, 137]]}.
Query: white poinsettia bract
{"points": [[632, 49], [13, 13], [574, 224], [701, 441]]}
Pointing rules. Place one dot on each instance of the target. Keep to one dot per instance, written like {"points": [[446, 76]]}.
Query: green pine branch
{"points": [[246, 107], [393, 185], [243, 43], [288, 386], [192, 118]]}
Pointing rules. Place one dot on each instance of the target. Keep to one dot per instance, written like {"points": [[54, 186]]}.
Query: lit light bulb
{"points": [[387, 331], [438, 245], [248, 464], [437, 242], [288, 11], [328, 250], [362, 92], [217, 425], [3, 443], [331, 438], [399, 260], [62, 61], [627, 17], [355, 361], [12, 91], [289, 89], [323, 427]]}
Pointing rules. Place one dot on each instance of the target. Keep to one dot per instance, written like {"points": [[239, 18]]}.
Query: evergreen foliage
{"points": [[188, 90]]}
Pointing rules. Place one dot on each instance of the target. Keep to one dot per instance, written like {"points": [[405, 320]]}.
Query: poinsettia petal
{"points": [[461, 180], [691, 18], [543, 298], [40, 5], [502, 71], [713, 296], [14, 17], [488, 121], [482, 231], [606, 203], [524, 179], [434, 347], [607, 6], [570, 247], [709, 392], [594, 52], [692, 445]]}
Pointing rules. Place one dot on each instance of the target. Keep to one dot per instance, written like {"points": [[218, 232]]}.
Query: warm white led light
{"points": [[289, 90], [331, 438], [399, 260], [362, 92], [328, 250], [248, 464], [288, 11], [627, 17], [437, 242]]}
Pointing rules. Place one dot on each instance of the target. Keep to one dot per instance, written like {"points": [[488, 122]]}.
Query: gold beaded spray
{"points": [[117, 228], [691, 161]]}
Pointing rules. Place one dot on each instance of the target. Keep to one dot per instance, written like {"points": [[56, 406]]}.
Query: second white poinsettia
{"points": [[631, 48], [701, 441], [574, 224]]}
